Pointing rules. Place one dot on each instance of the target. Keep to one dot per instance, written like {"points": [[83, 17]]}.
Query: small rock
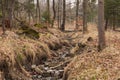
{"points": [[34, 76], [39, 76], [46, 68], [56, 73], [90, 39], [63, 56], [46, 64], [33, 66], [46, 74], [61, 73]]}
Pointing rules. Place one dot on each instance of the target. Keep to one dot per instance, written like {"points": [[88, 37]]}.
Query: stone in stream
{"points": [[52, 72], [39, 76], [56, 73], [47, 74], [60, 74], [46, 68], [33, 66], [34, 76], [46, 64]]}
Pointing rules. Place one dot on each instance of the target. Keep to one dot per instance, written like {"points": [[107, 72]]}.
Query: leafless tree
{"points": [[85, 16], [101, 29], [54, 13], [38, 12], [64, 16], [77, 11]]}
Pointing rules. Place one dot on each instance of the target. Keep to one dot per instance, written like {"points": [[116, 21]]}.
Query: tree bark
{"points": [[64, 16], [106, 24], [54, 13], [29, 15], [38, 12], [85, 16], [11, 10], [58, 15], [3, 16], [101, 29], [114, 22], [77, 15], [48, 8]]}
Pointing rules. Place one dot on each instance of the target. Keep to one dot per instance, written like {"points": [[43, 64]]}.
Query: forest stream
{"points": [[52, 69]]}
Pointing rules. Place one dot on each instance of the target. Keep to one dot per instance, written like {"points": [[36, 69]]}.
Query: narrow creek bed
{"points": [[52, 69]]}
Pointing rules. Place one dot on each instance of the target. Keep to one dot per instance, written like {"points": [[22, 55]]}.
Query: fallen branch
{"points": [[62, 64]]}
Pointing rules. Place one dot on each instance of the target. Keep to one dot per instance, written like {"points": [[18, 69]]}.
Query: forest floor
{"points": [[94, 65], [57, 55]]}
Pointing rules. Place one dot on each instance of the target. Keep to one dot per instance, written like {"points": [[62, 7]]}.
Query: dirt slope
{"points": [[93, 65]]}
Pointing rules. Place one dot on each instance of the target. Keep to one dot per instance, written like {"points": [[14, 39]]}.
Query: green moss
{"points": [[28, 31], [40, 26], [31, 33]]}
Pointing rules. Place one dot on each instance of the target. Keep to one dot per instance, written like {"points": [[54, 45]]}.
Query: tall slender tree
{"points": [[54, 13], [85, 16], [11, 10], [29, 15], [3, 16], [77, 11], [48, 8], [38, 12], [64, 16], [59, 13], [101, 29]]}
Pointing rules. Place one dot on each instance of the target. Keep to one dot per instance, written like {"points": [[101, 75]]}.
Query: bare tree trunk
{"points": [[64, 16], [101, 29], [38, 12], [58, 15], [85, 16], [29, 15], [10, 10], [106, 24], [48, 8], [3, 16], [54, 11], [77, 11], [114, 22]]}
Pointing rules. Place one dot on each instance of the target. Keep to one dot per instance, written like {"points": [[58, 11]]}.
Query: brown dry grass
{"points": [[16, 51], [54, 39], [19, 51], [95, 65]]}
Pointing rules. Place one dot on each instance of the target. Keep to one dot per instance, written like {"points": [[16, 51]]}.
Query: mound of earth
{"points": [[18, 53]]}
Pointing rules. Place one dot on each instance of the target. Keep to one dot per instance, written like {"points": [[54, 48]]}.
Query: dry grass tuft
{"points": [[17, 51], [54, 39]]}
